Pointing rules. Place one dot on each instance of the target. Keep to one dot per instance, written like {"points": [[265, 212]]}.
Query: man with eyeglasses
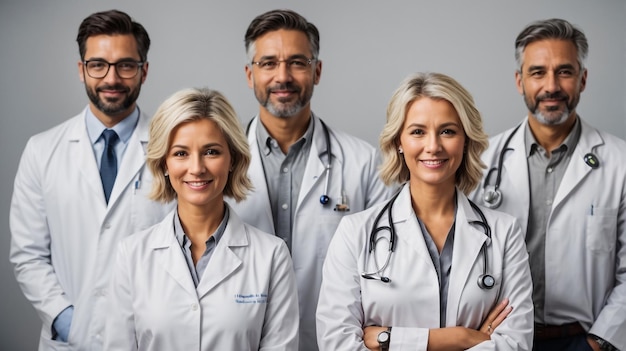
{"points": [[306, 175], [82, 186]]}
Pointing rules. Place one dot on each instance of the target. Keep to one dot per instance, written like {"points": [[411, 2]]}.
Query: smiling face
{"points": [[551, 81], [112, 98], [432, 141], [284, 91], [198, 163]]}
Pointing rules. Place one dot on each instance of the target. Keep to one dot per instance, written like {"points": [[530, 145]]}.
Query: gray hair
{"points": [[281, 19], [554, 28]]}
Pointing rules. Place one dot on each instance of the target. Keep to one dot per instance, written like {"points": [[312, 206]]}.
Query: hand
{"points": [[370, 337], [62, 323], [496, 316], [594, 344]]}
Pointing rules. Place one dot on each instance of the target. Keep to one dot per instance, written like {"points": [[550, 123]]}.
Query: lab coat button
{"points": [[284, 206], [194, 306], [107, 225]]}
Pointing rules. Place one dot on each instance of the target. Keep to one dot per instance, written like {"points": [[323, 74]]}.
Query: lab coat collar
{"points": [[577, 169], [318, 159], [80, 145], [315, 166], [133, 161], [257, 176], [468, 241], [226, 261]]}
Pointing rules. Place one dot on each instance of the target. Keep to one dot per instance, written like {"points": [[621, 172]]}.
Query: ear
{"points": [[583, 81], [144, 71], [81, 71], [249, 77], [518, 82], [318, 72]]}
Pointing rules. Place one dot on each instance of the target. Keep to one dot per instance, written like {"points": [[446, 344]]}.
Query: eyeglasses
{"points": [[293, 64], [124, 69]]}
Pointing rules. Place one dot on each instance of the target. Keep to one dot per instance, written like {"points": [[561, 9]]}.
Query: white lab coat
{"points": [[246, 299], [63, 233], [585, 253], [354, 170], [410, 302]]}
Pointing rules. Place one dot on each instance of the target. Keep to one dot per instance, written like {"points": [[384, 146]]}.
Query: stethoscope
{"points": [[492, 195], [485, 280], [324, 198]]}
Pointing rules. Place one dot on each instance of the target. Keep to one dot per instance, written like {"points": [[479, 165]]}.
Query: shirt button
{"points": [[107, 225], [549, 202], [285, 170], [194, 306], [549, 170], [284, 206]]}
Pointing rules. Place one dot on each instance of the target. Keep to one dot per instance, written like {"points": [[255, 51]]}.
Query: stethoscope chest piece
{"points": [[486, 281], [492, 197], [591, 160]]}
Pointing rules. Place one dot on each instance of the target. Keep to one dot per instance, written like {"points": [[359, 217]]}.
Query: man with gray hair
{"points": [[306, 175], [565, 181]]}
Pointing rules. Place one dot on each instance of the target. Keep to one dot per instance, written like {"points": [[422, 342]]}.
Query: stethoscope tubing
{"points": [[324, 198], [485, 281]]}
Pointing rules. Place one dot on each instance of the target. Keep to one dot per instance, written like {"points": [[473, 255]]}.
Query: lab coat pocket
{"points": [[602, 229]]}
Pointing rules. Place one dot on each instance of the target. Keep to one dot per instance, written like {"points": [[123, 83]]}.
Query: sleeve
{"points": [[611, 324], [30, 251], [120, 320], [281, 324], [339, 312], [516, 331]]}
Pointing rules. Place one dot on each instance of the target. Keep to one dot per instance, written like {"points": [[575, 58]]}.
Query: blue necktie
{"points": [[108, 164]]}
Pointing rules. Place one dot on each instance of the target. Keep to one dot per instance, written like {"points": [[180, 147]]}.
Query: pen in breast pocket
{"points": [[137, 184]]}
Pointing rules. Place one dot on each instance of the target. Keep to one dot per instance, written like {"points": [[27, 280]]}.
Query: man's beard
{"points": [[115, 107], [285, 109], [551, 118]]}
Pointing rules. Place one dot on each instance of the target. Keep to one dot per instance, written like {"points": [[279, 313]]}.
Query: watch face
{"points": [[383, 337]]}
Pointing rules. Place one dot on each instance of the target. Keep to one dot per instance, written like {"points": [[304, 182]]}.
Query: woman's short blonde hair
{"points": [[439, 87], [190, 105]]}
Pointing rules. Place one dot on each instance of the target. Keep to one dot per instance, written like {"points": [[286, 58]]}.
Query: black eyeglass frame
{"points": [[139, 64]]}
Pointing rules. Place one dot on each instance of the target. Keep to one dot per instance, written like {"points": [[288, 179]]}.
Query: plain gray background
{"points": [[367, 48]]}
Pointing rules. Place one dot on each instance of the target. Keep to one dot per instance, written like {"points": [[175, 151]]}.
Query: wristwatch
{"points": [[384, 337], [604, 345]]}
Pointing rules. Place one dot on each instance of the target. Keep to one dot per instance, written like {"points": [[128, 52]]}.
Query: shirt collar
{"points": [[181, 237], [569, 143], [267, 143], [124, 128]]}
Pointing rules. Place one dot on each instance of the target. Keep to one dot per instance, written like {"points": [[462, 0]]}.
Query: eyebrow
{"points": [[275, 57], [559, 67], [444, 125], [203, 146], [123, 59]]}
